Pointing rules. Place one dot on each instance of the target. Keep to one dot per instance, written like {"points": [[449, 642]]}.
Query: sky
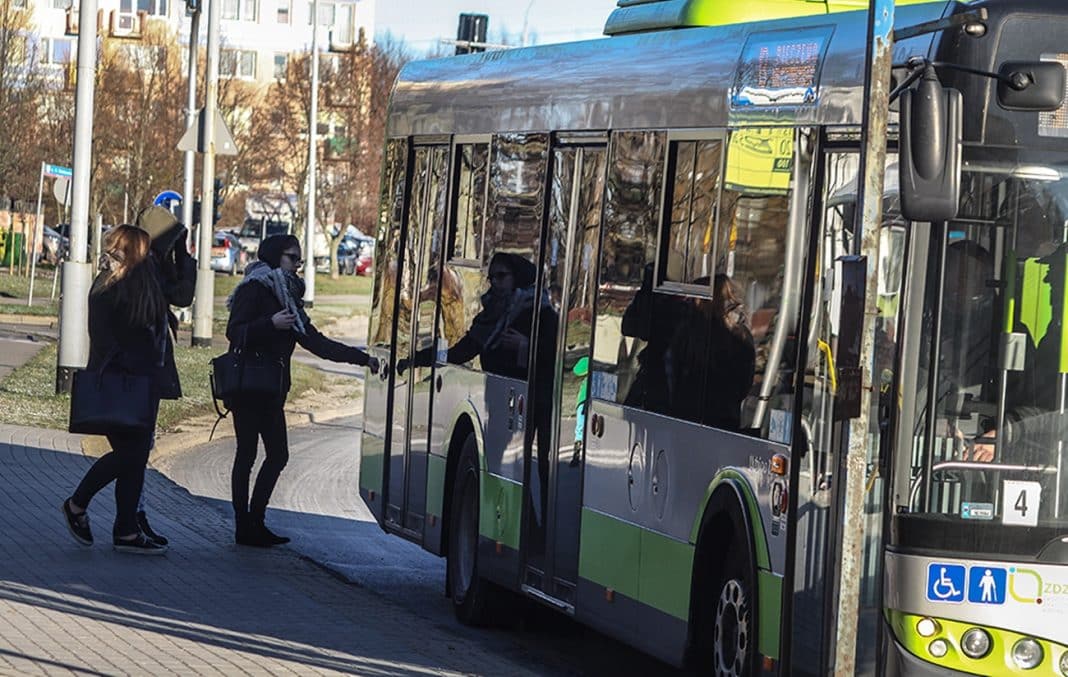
{"points": [[422, 23]]}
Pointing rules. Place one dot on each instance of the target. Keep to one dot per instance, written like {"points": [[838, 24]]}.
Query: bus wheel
{"points": [[469, 593], [733, 629]]}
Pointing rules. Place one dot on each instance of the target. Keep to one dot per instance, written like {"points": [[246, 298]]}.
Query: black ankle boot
{"points": [[272, 537], [247, 532]]}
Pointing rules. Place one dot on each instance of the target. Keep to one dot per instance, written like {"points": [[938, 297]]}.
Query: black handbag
{"points": [[242, 373], [108, 400]]}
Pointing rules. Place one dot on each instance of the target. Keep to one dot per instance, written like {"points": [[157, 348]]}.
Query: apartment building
{"points": [[257, 36]]}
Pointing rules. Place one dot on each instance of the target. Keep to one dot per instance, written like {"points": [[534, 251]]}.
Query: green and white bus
{"points": [[617, 309]]}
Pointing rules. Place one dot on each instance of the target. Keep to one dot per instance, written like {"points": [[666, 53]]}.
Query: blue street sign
{"points": [[945, 582], [58, 171], [986, 585], [166, 197]]}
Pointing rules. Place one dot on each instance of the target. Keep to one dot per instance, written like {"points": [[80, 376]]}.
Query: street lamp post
{"points": [[77, 273], [189, 170], [204, 300], [313, 140]]}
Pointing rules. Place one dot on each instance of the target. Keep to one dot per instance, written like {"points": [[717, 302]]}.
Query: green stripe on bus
{"points": [[435, 485], [500, 510], [760, 542], [1035, 311], [769, 600], [610, 552], [371, 458], [665, 573]]}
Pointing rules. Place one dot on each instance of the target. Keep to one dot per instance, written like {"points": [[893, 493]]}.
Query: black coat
{"points": [[136, 349], [250, 328]]}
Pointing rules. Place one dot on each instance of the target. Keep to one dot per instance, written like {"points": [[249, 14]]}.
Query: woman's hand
{"points": [[373, 365], [283, 320]]}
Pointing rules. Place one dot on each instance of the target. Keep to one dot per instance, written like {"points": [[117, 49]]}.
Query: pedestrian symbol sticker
{"points": [[945, 582], [986, 585]]}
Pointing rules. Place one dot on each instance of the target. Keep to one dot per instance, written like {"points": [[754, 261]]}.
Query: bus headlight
{"points": [[938, 648], [1026, 653], [1064, 664], [975, 643], [926, 627]]}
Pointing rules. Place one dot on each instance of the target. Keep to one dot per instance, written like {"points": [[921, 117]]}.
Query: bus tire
{"points": [[469, 593], [733, 627]]}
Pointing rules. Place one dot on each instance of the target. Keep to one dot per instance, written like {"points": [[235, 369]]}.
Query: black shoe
{"points": [[78, 525], [247, 532], [142, 522], [139, 545], [273, 538]]}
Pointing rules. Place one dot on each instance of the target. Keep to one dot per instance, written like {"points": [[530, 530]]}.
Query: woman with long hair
{"points": [[267, 318], [130, 332]]}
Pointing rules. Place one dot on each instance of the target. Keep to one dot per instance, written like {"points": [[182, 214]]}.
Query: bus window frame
{"points": [[458, 142], [667, 193]]}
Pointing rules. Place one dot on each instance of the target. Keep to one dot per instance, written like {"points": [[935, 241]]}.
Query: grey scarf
{"points": [[286, 287]]}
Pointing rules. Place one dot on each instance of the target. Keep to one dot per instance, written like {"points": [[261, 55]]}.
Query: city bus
{"points": [[617, 303]]}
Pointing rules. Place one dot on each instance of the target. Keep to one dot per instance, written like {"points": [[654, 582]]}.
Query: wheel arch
{"points": [[466, 422], [726, 518]]}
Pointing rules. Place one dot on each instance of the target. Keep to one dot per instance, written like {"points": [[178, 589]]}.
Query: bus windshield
{"points": [[989, 428]]}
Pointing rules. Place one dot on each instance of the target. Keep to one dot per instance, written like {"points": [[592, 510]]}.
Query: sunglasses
{"points": [[294, 258]]}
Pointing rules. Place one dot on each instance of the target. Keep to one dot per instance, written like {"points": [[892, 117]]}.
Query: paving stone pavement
{"points": [[206, 607]]}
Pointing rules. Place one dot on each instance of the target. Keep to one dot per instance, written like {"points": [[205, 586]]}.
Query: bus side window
{"points": [[390, 218]]}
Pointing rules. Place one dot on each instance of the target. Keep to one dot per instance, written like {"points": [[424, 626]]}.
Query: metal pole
{"points": [[204, 302], [189, 171], [313, 141], [98, 237], [870, 199], [36, 229], [77, 274]]}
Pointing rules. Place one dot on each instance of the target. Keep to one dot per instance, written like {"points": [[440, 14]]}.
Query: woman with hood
{"points": [[267, 317]]}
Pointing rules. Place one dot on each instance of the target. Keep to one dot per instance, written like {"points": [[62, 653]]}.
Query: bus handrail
{"points": [[980, 465]]}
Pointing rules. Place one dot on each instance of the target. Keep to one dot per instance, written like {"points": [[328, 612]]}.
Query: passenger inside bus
{"points": [[698, 361]]}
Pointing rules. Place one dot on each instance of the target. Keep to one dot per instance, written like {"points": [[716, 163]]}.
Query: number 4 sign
{"points": [[1019, 502]]}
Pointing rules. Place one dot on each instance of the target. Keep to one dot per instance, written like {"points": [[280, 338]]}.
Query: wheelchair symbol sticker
{"points": [[945, 582]]}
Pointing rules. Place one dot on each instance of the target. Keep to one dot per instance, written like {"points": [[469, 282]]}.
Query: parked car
{"points": [[353, 257], [54, 246], [227, 255]]}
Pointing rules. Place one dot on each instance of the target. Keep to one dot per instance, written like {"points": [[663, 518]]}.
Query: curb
{"points": [[30, 320]]}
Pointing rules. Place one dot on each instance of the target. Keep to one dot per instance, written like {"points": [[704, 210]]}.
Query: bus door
{"points": [[828, 405], [558, 383], [416, 333]]}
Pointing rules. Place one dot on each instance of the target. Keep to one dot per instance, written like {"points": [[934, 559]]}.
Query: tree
{"points": [[22, 87]]}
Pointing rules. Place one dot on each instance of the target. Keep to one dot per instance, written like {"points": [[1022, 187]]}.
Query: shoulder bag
{"points": [[240, 372], [106, 399]]}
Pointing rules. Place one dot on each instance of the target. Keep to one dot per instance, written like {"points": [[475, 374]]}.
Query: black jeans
{"points": [[253, 420], [125, 465]]}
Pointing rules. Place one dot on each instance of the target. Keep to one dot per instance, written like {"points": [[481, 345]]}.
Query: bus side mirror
{"points": [[1031, 85], [931, 127]]}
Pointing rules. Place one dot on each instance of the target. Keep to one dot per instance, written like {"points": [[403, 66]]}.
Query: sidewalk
{"points": [[206, 607]]}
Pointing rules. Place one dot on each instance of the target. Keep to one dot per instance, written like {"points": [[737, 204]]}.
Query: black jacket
{"points": [[142, 350], [250, 328]]}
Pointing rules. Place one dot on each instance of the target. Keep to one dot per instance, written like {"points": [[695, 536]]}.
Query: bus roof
{"points": [[632, 16], [667, 79]]}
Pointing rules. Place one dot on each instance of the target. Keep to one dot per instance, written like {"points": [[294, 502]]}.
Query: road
{"points": [[317, 504]]}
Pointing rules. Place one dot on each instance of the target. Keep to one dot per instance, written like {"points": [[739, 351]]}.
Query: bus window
{"points": [[989, 432], [390, 218], [632, 205], [690, 216], [499, 298], [470, 213]]}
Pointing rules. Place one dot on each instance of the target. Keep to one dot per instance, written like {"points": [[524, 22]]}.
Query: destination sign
{"points": [[780, 69]]}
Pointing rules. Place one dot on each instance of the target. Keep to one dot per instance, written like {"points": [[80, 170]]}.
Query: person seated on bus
{"points": [[713, 358], [653, 319]]}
